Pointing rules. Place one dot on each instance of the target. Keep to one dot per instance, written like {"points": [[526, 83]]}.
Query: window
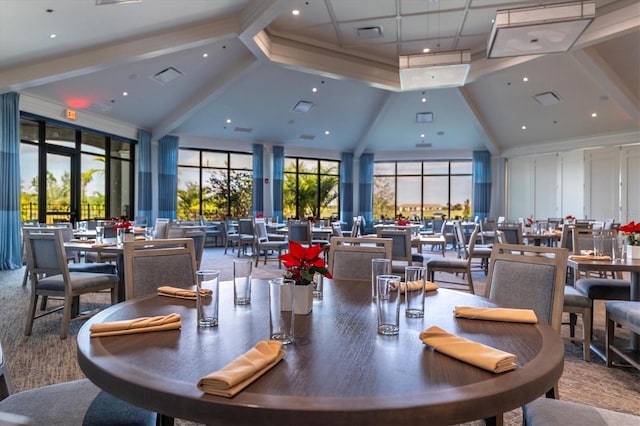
{"points": [[88, 175], [422, 189], [214, 184], [311, 188]]}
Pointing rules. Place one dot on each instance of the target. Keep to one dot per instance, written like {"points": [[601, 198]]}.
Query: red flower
{"points": [[569, 217], [302, 263], [630, 228], [529, 220], [259, 215]]}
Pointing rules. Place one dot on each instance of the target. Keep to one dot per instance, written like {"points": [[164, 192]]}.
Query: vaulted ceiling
{"points": [[261, 60]]}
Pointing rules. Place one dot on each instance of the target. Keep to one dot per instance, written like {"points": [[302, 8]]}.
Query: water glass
{"points": [[388, 303], [318, 284], [598, 245], [281, 310], [414, 296], [378, 267], [120, 235], [149, 233], [99, 234], [242, 281], [207, 305]]}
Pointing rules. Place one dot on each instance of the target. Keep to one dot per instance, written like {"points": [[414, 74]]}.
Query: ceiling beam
{"points": [[257, 18], [480, 123], [379, 114], [98, 58]]}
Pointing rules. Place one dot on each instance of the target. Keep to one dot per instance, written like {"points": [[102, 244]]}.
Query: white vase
{"points": [[303, 300], [633, 252]]}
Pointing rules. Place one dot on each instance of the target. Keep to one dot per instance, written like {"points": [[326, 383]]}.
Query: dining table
{"points": [[338, 370], [550, 238]]}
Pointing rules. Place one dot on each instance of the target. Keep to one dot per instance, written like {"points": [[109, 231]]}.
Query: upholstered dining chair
{"points": [[546, 411], [264, 245], [197, 233], [350, 258], [161, 227], [400, 249], [78, 402], [151, 264], [451, 266], [471, 249], [50, 277]]}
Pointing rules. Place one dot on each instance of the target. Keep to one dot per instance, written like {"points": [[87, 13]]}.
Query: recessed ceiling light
{"points": [[326, 132], [295, 12], [524, 127], [422, 135], [205, 55], [594, 114], [525, 79], [228, 121], [52, 36], [314, 90], [426, 50], [424, 100], [125, 94]]}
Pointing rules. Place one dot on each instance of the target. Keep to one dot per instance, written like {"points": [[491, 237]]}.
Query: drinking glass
{"points": [[388, 303], [378, 267], [242, 281], [414, 297], [99, 234], [207, 305], [281, 310]]}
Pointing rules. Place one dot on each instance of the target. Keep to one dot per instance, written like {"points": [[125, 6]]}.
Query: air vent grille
{"points": [[167, 75], [307, 137], [243, 129], [424, 117], [369, 32], [303, 106], [547, 98], [423, 145]]}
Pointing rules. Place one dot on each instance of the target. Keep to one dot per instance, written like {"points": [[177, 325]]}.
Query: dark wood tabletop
{"points": [[338, 371]]}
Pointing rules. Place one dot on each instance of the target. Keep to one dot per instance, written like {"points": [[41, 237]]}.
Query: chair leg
{"points": [[609, 337], [573, 318], [66, 318], [587, 330], [31, 314]]}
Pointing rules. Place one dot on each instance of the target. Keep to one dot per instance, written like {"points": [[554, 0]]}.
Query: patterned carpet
{"points": [[43, 358]]}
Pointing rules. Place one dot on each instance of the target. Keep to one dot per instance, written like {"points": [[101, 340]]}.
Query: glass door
{"points": [[60, 171]]}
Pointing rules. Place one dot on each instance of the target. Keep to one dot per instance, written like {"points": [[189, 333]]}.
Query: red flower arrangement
{"points": [[632, 230], [303, 263], [530, 221], [569, 217], [123, 224], [404, 222]]}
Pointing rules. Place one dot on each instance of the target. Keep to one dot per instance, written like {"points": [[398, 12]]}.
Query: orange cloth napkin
{"points": [[415, 285], [473, 353], [80, 240], [139, 238], [588, 257], [244, 370], [104, 245], [137, 325], [496, 314], [183, 293]]}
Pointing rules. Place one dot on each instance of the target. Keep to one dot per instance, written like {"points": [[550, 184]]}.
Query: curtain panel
{"points": [[366, 190], [278, 181], [144, 176], [10, 245], [481, 184], [346, 188], [258, 176], [167, 176]]}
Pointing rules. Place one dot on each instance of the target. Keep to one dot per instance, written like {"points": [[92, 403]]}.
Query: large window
{"points": [[214, 184], [422, 189], [311, 188], [87, 174]]}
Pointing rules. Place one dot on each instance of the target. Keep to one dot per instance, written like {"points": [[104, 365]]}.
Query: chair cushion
{"points": [[604, 288], [628, 311], [575, 298], [100, 268], [546, 411], [75, 403], [79, 281], [446, 263]]}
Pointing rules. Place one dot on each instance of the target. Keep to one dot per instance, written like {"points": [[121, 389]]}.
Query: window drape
{"points": [[278, 181], [481, 183], [144, 175], [258, 176], [167, 176], [10, 252], [346, 187], [366, 189]]}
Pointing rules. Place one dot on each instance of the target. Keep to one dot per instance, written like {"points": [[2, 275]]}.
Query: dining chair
{"points": [[451, 266], [621, 313], [161, 226], [197, 233], [513, 234], [230, 234], [50, 277], [546, 411], [350, 258], [400, 247], [245, 234], [264, 245], [299, 231], [78, 402], [472, 250], [151, 264]]}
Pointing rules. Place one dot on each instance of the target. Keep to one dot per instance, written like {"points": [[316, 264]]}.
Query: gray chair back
{"points": [[162, 227], [350, 258], [299, 231], [528, 277]]}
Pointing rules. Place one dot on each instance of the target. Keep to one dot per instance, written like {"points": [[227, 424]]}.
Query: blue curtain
{"points": [[10, 253], [167, 176], [481, 183], [346, 187], [366, 190], [278, 180], [144, 176], [258, 176]]}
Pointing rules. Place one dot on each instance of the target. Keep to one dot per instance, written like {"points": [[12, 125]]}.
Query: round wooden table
{"points": [[338, 371]]}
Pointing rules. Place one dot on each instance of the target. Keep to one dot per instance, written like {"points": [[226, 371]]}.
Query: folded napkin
{"points": [[588, 257], [80, 240], [104, 245], [139, 237], [473, 353], [496, 314], [138, 325], [244, 370], [415, 285], [182, 293]]}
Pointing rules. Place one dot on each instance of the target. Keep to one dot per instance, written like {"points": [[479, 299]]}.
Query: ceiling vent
{"points": [[303, 106], [547, 98], [432, 70], [539, 30], [307, 137], [369, 32], [423, 145], [167, 75], [104, 2], [243, 129], [424, 117]]}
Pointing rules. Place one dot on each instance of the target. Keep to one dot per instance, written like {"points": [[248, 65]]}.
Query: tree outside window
{"points": [[311, 188]]}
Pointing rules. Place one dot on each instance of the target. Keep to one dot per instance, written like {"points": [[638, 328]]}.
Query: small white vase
{"points": [[633, 252], [303, 300]]}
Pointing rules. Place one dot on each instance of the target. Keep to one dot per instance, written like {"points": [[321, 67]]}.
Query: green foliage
{"points": [[310, 194]]}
